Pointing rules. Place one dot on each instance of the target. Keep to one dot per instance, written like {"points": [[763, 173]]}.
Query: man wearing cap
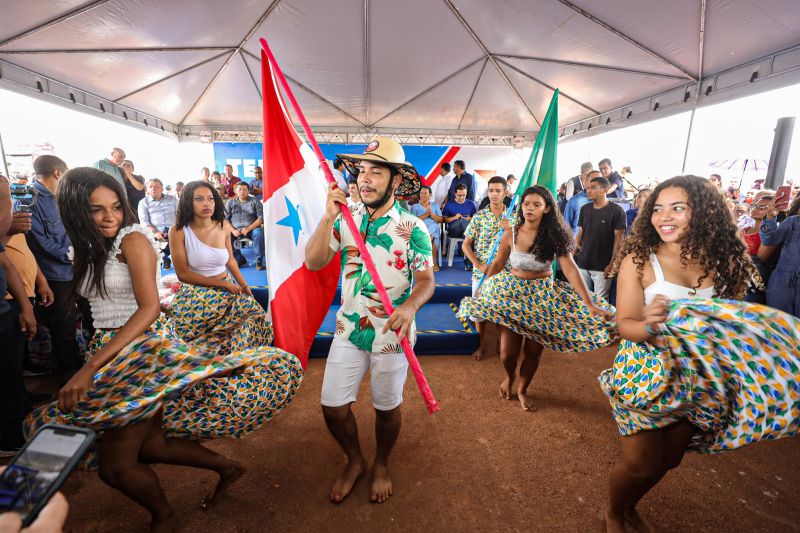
{"points": [[575, 183], [367, 338], [573, 209]]}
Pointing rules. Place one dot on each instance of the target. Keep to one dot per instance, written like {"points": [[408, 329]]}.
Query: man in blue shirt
{"points": [[257, 184], [462, 177], [49, 243], [245, 214], [573, 210], [158, 212]]}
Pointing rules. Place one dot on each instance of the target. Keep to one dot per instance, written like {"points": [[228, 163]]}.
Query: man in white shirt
{"points": [[338, 173], [442, 184], [158, 211]]}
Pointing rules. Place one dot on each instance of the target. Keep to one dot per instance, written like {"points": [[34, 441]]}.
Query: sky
{"points": [[737, 129]]}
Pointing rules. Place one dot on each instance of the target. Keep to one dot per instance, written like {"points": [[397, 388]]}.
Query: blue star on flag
{"points": [[292, 220]]}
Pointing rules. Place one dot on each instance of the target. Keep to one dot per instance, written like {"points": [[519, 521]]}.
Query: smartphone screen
{"points": [[29, 478]]}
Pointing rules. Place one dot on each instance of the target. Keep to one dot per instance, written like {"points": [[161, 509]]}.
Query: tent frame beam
{"points": [[590, 65], [770, 72], [551, 88], [367, 79], [357, 136], [426, 91], [457, 14], [472, 94], [165, 78], [29, 83], [624, 37], [237, 51], [700, 53], [121, 50], [52, 22], [309, 91]]}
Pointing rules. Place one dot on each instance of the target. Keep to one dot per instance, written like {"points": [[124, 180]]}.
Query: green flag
{"points": [[541, 167]]}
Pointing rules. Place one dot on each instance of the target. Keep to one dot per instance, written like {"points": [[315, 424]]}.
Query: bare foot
{"points": [[526, 400], [227, 477], [477, 354], [163, 523], [345, 482], [614, 525], [505, 390], [381, 484], [637, 522]]}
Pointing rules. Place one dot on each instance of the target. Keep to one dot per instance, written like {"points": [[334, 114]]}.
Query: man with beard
{"points": [[367, 338]]}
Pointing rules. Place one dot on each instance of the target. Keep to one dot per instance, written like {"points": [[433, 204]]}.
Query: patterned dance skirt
{"points": [[208, 315], [220, 380], [730, 368], [545, 310]]}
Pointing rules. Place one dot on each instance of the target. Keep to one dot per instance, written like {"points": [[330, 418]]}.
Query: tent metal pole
{"points": [[3, 157], [700, 49], [688, 139]]}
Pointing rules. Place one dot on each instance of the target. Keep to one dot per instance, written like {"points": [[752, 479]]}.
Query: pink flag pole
{"points": [[422, 383]]}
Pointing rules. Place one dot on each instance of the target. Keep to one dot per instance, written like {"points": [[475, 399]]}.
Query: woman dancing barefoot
{"points": [[134, 374], [692, 372], [527, 304]]}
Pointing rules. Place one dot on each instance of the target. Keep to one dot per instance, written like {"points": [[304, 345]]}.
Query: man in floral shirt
{"points": [[479, 240], [367, 338]]}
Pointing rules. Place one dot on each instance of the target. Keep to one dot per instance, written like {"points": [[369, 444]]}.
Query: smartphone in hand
{"points": [[40, 468], [782, 197]]}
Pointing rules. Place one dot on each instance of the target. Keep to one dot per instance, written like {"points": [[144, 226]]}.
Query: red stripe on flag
{"points": [[281, 143], [446, 158], [295, 322]]}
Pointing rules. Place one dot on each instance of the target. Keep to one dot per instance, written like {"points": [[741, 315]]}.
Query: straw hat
{"points": [[387, 151]]}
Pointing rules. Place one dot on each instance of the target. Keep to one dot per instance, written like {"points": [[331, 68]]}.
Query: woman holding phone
{"points": [[140, 386]]}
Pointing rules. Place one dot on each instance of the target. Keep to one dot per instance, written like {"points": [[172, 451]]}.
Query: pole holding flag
{"points": [[546, 144], [427, 394]]}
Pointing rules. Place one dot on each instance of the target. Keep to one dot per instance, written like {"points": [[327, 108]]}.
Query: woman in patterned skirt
{"points": [[692, 372], [527, 303], [215, 308], [145, 392], [214, 305]]}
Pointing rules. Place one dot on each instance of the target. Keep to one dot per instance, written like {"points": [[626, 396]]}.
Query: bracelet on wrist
{"points": [[651, 330]]}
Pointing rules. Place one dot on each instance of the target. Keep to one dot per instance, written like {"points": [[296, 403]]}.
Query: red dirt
{"points": [[480, 464]]}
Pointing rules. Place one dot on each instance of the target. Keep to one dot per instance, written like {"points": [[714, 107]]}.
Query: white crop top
{"points": [[524, 260], [112, 310], [204, 259], [673, 291]]}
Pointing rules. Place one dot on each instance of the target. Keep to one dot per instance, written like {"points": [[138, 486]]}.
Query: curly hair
{"points": [[186, 204], [553, 239], [90, 247], [712, 240]]}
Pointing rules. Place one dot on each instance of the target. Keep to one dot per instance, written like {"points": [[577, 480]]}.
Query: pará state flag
{"points": [[294, 203]]}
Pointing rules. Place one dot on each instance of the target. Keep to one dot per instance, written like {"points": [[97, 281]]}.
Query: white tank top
{"points": [[673, 291], [204, 259]]}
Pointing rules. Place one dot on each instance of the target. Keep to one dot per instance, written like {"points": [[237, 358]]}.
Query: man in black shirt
{"points": [[600, 228]]}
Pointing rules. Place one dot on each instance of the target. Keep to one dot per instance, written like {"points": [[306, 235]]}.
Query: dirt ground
{"points": [[480, 464]]}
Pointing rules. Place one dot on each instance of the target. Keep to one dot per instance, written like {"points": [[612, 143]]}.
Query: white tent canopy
{"points": [[456, 70]]}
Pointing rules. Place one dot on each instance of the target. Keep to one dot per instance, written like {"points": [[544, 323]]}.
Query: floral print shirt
{"points": [[400, 245], [483, 229]]}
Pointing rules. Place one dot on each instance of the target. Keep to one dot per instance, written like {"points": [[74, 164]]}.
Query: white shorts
{"points": [[474, 290], [346, 367]]}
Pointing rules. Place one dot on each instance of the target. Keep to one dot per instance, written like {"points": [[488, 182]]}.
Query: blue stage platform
{"points": [[439, 330]]}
